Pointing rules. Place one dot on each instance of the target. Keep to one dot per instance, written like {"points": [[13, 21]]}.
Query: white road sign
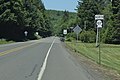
{"points": [[26, 33], [99, 17], [37, 33], [64, 31], [99, 24], [77, 29]]}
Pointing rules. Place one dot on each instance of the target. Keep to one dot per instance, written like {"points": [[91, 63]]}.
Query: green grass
{"points": [[110, 54], [5, 42]]}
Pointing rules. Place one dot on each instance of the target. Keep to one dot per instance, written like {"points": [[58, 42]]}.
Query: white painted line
{"points": [[45, 62]]}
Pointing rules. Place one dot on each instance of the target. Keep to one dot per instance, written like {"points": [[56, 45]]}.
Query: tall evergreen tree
{"points": [[11, 17], [87, 9], [17, 16], [108, 23], [116, 20]]}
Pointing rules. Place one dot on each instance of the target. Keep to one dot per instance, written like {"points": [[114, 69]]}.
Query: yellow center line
{"points": [[16, 49]]}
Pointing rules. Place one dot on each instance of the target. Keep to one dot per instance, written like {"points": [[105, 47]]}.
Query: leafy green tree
{"points": [[116, 21], [86, 10], [108, 23], [88, 36]]}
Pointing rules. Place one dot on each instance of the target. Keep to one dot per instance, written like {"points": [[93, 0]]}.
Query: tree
{"points": [[108, 23], [11, 19], [116, 21], [86, 10], [17, 16]]}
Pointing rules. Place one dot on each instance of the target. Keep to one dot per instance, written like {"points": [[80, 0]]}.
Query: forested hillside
{"points": [[18, 16], [61, 20]]}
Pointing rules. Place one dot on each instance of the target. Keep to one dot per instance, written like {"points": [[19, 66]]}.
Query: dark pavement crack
{"points": [[33, 70]]}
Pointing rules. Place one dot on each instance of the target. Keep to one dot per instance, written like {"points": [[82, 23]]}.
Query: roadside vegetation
{"points": [[3, 41], [61, 20], [85, 18], [18, 16], [110, 33], [86, 11], [110, 54]]}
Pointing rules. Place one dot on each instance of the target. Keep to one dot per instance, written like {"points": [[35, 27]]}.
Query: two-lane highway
{"points": [[23, 61], [61, 65], [43, 59]]}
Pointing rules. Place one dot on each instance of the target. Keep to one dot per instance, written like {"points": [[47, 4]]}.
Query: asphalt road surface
{"points": [[44, 59]]}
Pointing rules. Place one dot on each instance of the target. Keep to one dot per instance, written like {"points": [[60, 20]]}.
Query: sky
{"points": [[63, 5]]}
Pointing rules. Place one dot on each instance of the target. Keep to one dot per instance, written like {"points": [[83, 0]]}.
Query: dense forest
{"points": [[18, 16]]}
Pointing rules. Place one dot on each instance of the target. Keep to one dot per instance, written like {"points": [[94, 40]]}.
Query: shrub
{"points": [[88, 36], [70, 39]]}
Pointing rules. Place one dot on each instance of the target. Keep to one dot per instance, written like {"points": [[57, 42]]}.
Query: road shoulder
{"points": [[91, 67]]}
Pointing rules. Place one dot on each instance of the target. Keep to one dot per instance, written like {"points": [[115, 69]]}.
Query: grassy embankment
{"points": [[5, 42], [110, 54]]}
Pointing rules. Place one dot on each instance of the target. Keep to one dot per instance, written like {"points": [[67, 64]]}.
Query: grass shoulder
{"points": [[110, 54], [3, 41]]}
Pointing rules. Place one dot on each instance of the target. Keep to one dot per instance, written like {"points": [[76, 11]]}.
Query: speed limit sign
{"points": [[99, 24]]}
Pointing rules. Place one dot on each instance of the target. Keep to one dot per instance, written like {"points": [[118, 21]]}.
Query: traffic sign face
{"points": [[99, 24], [25, 33], [99, 17], [77, 29], [64, 31], [37, 33]]}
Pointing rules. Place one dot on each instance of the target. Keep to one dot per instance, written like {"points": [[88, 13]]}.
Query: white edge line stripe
{"points": [[45, 62]]}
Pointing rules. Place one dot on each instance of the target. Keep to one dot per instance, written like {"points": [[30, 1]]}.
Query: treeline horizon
{"points": [[18, 16]]}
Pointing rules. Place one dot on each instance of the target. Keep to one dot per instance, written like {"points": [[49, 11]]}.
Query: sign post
{"points": [[65, 33], [99, 24], [26, 33], [71, 29], [77, 30]]}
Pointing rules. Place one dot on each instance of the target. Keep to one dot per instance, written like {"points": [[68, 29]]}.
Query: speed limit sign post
{"points": [[99, 23]]}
